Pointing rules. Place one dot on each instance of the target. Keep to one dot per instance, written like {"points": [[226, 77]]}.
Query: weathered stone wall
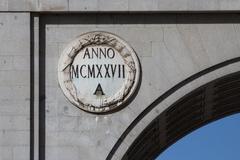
{"points": [[14, 86], [119, 5], [170, 48]]}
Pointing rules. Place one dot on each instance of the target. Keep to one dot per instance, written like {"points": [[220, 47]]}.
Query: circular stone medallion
{"points": [[98, 72]]}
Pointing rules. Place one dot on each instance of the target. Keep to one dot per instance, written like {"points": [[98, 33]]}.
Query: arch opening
{"points": [[212, 101], [218, 140]]}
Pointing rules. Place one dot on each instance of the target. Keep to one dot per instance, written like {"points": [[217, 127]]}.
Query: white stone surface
{"points": [[53, 5], [143, 5], [170, 49], [119, 5], [6, 153], [168, 52], [112, 5], [14, 85], [85, 5], [4, 5], [21, 153], [21, 5]]}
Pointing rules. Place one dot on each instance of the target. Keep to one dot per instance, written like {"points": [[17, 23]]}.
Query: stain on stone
{"points": [[98, 143], [57, 8], [65, 109], [27, 99]]}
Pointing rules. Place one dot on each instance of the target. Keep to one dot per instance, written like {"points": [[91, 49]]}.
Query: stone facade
{"points": [[36, 119], [116, 5], [15, 88]]}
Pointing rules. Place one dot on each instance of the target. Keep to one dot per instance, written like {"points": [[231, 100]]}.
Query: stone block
{"points": [[6, 63], [4, 5], [13, 78], [6, 153], [15, 30], [65, 34], [173, 5], [83, 5], [21, 63], [63, 153], [178, 50], [14, 123], [14, 107], [22, 5], [51, 65], [219, 38], [51, 108], [207, 5], [21, 153], [51, 94], [14, 138], [112, 5], [145, 35], [53, 5], [52, 49], [52, 124], [143, 5], [165, 64], [67, 123], [66, 108], [143, 49], [82, 140], [229, 4], [14, 92]]}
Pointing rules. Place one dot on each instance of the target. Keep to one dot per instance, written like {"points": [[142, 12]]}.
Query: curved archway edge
{"points": [[164, 102]]}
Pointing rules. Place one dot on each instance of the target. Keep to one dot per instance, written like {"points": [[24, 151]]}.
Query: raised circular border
{"points": [[98, 38]]}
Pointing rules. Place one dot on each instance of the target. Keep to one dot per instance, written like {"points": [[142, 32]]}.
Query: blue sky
{"points": [[219, 140]]}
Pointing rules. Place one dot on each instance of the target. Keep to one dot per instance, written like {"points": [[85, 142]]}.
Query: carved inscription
{"points": [[99, 72]]}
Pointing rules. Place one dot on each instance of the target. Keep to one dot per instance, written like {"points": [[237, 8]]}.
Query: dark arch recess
{"points": [[165, 95], [210, 102]]}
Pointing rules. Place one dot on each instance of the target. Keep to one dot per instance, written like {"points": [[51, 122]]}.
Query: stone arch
{"points": [[210, 102], [205, 98]]}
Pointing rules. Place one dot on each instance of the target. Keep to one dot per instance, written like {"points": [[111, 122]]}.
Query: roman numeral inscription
{"points": [[98, 70]]}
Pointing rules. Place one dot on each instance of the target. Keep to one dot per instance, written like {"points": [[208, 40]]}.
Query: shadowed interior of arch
{"points": [[208, 103]]}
